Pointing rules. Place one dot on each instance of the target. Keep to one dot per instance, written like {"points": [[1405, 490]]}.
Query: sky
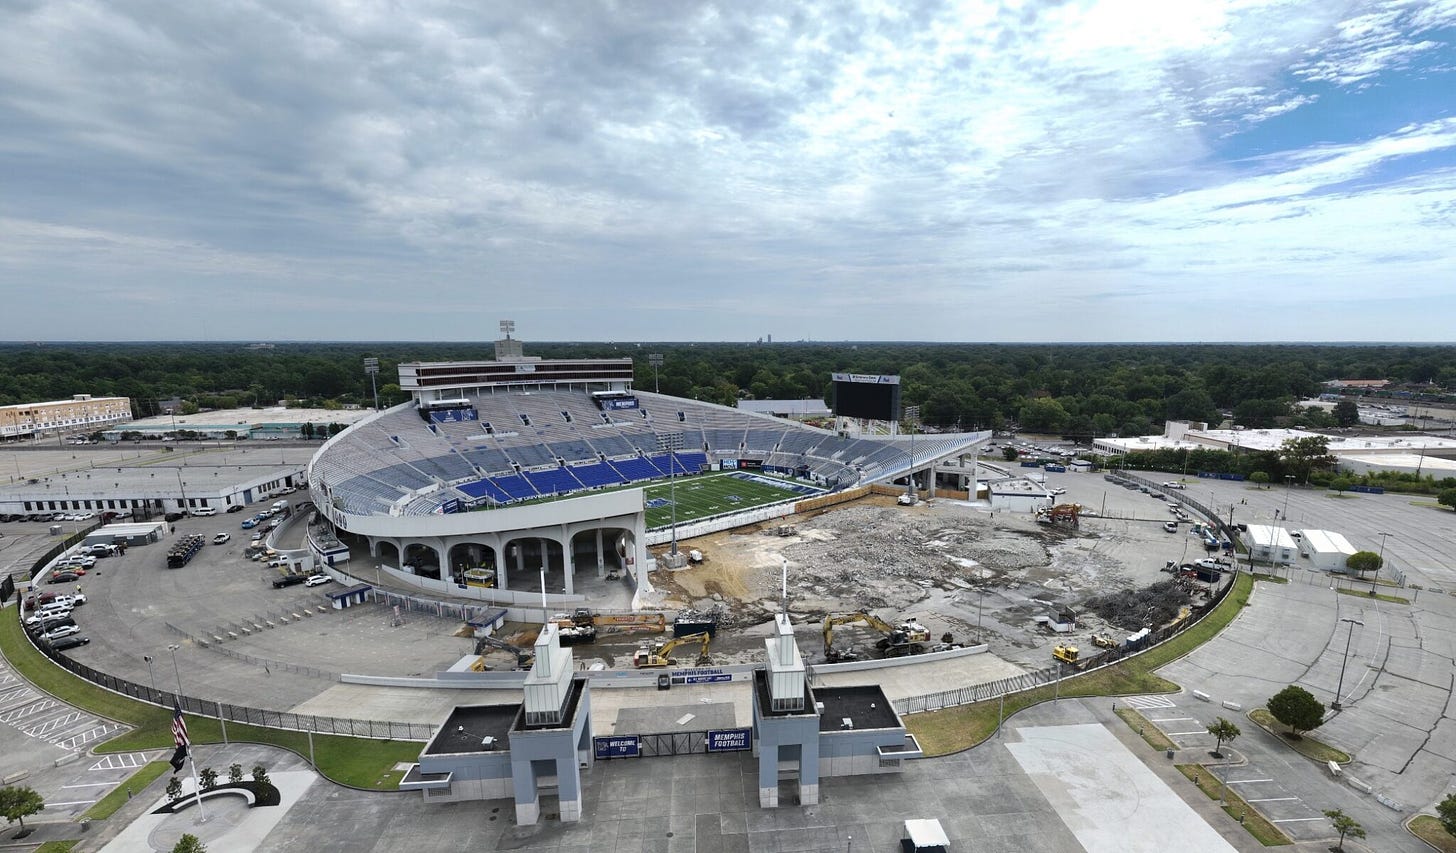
{"points": [[1139, 170]]}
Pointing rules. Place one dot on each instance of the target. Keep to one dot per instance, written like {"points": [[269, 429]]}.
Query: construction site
{"points": [[875, 578]]}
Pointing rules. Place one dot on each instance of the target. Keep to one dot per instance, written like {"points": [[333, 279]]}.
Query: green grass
{"points": [[107, 805], [1305, 745], [711, 494], [65, 846], [1428, 829], [954, 729], [1365, 593], [1150, 733], [360, 762], [1254, 823]]}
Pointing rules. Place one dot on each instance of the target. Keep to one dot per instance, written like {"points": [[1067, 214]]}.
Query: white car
{"points": [[73, 600], [1206, 563], [318, 580], [50, 611], [1059, 491], [1172, 485], [221, 538], [61, 631]]}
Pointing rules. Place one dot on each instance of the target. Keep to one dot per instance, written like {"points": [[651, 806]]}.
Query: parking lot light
{"points": [[1341, 684]]}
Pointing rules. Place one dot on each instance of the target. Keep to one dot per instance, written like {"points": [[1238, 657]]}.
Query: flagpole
{"points": [[197, 783]]}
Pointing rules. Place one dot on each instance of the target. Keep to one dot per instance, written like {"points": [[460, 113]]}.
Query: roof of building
{"points": [[467, 727], [1018, 486], [1427, 464], [865, 706], [1326, 542], [1265, 536], [267, 415]]}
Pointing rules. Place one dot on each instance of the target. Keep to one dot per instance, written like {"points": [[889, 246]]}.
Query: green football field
{"points": [[709, 494]]}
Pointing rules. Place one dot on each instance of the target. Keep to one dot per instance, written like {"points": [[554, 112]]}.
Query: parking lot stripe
{"points": [[1298, 819], [1196, 732], [1169, 719], [1246, 781], [90, 785], [75, 803], [1272, 800]]}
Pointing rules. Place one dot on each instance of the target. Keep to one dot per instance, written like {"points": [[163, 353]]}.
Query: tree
{"points": [[235, 773], [260, 774], [1447, 497], [1364, 561], [1446, 813], [1341, 484], [1303, 455], [208, 778], [189, 843], [1297, 708], [1224, 731], [174, 788], [19, 803], [1259, 478], [1009, 454], [1344, 825], [1346, 414]]}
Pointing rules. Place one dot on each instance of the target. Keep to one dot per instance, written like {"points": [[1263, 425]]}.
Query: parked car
{"points": [[1172, 484], [288, 580], [70, 642], [63, 577], [46, 614], [61, 631], [221, 538], [235, 508], [73, 600], [318, 580], [1170, 526], [249, 523], [204, 511]]}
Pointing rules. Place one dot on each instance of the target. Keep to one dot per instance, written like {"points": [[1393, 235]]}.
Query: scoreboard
{"points": [[872, 397]]}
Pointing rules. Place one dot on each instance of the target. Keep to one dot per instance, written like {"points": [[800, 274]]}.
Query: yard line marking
{"points": [[1245, 781], [1298, 819], [1272, 799]]}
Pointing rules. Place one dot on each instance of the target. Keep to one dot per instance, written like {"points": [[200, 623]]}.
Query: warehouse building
{"points": [[81, 413]]}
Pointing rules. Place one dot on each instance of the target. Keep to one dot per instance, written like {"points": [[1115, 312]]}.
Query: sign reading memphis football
{"points": [[729, 740], [866, 378]]}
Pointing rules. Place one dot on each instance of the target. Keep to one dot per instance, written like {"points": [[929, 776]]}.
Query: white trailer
{"points": [[1326, 550]]}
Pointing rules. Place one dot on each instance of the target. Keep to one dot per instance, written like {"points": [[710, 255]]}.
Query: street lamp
{"points": [[1341, 685], [1288, 482], [1380, 561], [173, 649], [150, 674]]}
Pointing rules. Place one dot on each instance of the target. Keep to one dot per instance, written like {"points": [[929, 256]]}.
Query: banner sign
{"points": [[622, 746], [730, 740], [870, 379]]}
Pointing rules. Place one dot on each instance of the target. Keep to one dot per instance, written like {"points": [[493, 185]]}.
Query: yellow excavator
{"points": [[660, 655], [902, 639]]}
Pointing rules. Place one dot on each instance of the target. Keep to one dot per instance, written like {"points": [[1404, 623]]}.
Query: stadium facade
{"points": [[501, 471]]}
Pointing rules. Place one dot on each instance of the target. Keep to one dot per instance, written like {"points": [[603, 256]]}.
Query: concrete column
{"points": [[528, 801], [568, 569], [930, 484], [601, 557]]}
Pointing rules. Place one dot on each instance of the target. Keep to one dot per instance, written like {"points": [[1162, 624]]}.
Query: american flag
{"points": [[179, 727]]}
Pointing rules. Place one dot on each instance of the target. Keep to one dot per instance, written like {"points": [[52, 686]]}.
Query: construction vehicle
{"points": [[660, 655], [1104, 641], [902, 639], [1067, 654], [1061, 514], [575, 628], [524, 657]]}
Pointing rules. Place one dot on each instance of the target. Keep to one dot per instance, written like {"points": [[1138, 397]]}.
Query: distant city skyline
{"points": [[1083, 171]]}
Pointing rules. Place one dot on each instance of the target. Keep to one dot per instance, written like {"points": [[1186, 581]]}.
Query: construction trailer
{"points": [[1268, 544], [1326, 550]]}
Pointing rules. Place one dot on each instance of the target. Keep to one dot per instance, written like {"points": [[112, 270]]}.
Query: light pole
{"points": [[371, 367], [150, 674], [654, 359], [1288, 482], [1379, 562], [1341, 685], [912, 415], [178, 672], [672, 443]]}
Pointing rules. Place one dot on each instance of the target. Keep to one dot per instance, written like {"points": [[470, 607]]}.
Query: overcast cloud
{"points": [[1017, 171]]}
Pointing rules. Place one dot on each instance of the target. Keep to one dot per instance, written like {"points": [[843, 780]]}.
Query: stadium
{"points": [[503, 480]]}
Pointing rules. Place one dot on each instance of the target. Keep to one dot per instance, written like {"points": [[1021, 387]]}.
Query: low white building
{"points": [[1270, 544], [1018, 494], [1326, 550]]}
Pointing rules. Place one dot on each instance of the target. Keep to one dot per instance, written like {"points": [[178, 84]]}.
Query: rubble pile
{"points": [[1144, 607]]}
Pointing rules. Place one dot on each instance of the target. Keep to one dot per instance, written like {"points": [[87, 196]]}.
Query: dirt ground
{"points": [[955, 567]]}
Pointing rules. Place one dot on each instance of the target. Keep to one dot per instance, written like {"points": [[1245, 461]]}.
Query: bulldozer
{"points": [[660, 655], [905, 638], [1104, 641], [1067, 654]]}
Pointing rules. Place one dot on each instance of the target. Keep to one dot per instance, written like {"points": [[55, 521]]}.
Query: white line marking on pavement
{"points": [[1179, 734], [1169, 719], [90, 785], [1272, 800], [1244, 781], [1299, 819], [76, 803]]}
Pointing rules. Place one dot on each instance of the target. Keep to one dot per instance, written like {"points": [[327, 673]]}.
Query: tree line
{"points": [[1078, 390]]}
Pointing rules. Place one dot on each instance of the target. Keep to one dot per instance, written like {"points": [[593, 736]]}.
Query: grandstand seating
{"points": [[553, 481], [516, 487], [597, 475], [636, 469]]}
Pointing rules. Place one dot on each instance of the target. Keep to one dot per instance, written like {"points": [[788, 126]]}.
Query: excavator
{"points": [[660, 655], [1061, 514], [524, 657], [902, 639]]}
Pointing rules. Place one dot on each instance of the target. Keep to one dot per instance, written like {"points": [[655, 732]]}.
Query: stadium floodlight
{"points": [[371, 367], [654, 359], [912, 417], [672, 443], [506, 327]]}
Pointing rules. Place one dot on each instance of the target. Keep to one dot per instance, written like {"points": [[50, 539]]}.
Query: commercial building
{"points": [[81, 413]]}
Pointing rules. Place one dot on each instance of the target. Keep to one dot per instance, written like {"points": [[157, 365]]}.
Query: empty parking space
{"points": [[1294, 817], [39, 716]]}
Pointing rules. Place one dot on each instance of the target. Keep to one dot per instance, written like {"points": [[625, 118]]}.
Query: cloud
{"points": [[721, 165]]}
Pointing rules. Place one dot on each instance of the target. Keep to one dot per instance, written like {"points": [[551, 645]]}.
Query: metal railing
{"points": [[268, 665]]}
